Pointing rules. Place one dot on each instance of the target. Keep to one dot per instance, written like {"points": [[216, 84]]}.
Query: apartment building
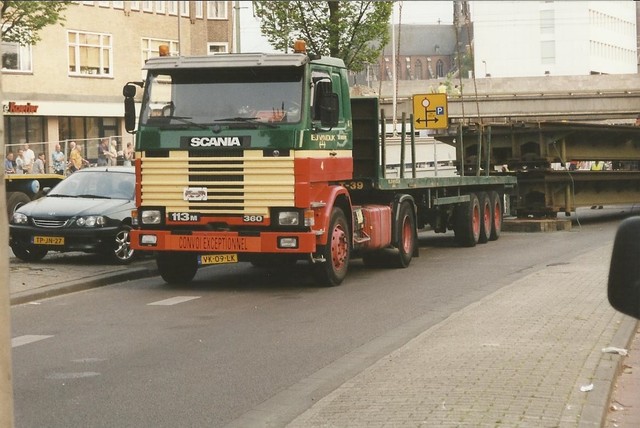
{"points": [[69, 85]]}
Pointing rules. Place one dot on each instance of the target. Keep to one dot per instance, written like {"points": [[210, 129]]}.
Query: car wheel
{"points": [[122, 253], [14, 201], [29, 254]]}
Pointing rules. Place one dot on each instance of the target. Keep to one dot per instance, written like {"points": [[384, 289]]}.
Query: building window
{"points": [[160, 7], [118, 4], [16, 57], [217, 9], [547, 22], [103, 4], [198, 7], [147, 6], [90, 54], [151, 48], [439, 69], [23, 129], [216, 48], [184, 8], [548, 52], [418, 68], [134, 5], [173, 7]]}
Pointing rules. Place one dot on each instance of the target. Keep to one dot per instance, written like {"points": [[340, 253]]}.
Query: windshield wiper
{"points": [[182, 119], [58, 195], [94, 196], [251, 120]]}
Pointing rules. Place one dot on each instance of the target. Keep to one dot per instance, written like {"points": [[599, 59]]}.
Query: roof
{"points": [[427, 40], [227, 60]]}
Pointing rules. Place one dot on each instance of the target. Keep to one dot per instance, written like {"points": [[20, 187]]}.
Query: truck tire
{"points": [[336, 252], [496, 210], [177, 267], [467, 222], [15, 200], [406, 235], [29, 254], [486, 217]]}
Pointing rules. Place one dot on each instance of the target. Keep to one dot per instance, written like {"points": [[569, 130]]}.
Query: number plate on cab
{"points": [[216, 259], [48, 240]]}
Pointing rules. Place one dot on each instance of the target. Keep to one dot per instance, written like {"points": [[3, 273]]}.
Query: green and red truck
{"points": [[266, 158]]}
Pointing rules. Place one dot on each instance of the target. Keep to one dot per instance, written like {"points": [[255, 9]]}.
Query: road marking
{"points": [[173, 301], [26, 339]]}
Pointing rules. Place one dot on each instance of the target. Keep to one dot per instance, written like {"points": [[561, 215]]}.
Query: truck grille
{"points": [[238, 182]]}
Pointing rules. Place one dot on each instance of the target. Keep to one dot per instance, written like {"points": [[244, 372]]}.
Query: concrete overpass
{"points": [[594, 97], [540, 129]]}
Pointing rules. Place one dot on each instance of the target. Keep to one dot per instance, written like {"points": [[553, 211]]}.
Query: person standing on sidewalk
{"points": [[57, 160]]}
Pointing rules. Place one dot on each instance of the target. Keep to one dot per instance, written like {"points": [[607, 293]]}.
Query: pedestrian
{"points": [[9, 168], [19, 162], [113, 154], [103, 152], [38, 165], [29, 158], [57, 160], [442, 88], [76, 161], [128, 155]]}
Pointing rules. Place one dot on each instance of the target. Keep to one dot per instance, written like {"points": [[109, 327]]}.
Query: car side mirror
{"points": [[624, 273]]}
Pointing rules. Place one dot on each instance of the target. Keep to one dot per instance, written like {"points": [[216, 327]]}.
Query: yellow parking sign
{"points": [[430, 111]]}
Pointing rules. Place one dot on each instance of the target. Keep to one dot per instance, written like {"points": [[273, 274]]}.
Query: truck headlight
{"points": [[19, 218], [288, 218], [151, 217]]}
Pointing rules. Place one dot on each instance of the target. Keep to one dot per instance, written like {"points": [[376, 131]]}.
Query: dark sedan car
{"points": [[89, 211]]}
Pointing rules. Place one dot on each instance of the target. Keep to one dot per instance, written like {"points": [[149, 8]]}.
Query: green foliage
{"points": [[355, 31], [22, 20]]}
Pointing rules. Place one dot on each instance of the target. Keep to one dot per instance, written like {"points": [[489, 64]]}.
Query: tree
{"points": [[22, 20], [355, 31]]}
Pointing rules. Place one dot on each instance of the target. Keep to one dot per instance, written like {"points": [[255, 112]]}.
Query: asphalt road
{"points": [[142, 353]]}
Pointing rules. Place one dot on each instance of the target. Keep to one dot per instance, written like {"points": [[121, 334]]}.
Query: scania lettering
{"points": [[267, 159], [215, 141]]}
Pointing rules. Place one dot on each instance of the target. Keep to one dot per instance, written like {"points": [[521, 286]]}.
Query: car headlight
{"points": [[150, 217], [288, 218], [19, 218], [91, 221]]}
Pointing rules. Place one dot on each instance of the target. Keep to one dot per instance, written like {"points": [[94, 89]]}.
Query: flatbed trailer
{"points": [[297, 177]]}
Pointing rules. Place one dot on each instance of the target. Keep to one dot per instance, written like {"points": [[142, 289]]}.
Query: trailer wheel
{"points": [[336, 252], [496, 209], [486, 217], [406, 233], [467, 225], [15, 200], [177, 267]]}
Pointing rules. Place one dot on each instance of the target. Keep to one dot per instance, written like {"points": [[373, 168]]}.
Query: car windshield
{"points": [[96, 184], [202, 97]]}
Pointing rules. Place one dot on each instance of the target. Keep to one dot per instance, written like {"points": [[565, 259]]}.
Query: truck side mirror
{"points": [[624, 272], [329, 108], [129, 115]]}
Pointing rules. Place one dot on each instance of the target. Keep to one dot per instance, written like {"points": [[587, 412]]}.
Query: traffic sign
{"points": [[430, 111]]}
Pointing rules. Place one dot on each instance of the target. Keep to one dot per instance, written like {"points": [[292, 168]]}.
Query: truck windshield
{"points": [[234, 95]]}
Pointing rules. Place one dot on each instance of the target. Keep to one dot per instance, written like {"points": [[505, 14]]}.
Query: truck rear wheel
{"points": [[176, 267], [496, 210], [336, 252], [15, 200], [486, 217], [406, 234], [467, 222]]}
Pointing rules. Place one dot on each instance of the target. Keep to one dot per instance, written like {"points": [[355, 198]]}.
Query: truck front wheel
{"points": [[336, 252], [406, 233], [177, 268]]}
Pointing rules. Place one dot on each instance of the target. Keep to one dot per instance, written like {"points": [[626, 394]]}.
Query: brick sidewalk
{"points": [[516, 358]]}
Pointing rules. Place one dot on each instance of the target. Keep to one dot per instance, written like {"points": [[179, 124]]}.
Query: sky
{"points": [[413, 12]]}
